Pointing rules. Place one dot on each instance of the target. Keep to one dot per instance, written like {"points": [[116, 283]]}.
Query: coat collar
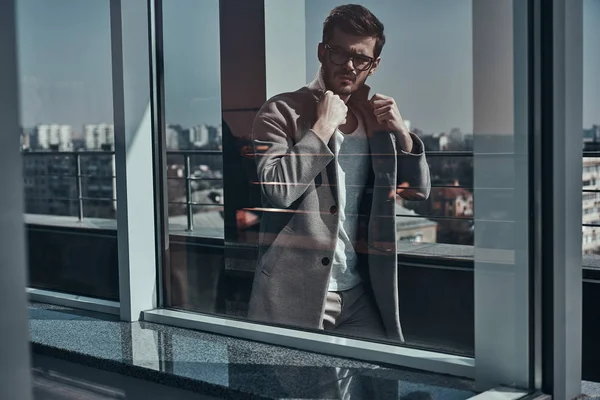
{"points": [[380, 144], [359, 100]]}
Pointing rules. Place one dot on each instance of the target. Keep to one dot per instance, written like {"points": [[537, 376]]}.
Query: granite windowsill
{"points": [[223, 366]]}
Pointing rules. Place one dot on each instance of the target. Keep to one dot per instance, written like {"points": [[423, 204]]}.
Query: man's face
{"points": [[346, 78]]}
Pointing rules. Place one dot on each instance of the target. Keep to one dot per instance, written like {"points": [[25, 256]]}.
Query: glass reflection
{"points": [[331, 158], [315, 245]]}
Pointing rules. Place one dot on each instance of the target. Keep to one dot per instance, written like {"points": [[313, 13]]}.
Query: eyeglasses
{"points": [[341, 57]]}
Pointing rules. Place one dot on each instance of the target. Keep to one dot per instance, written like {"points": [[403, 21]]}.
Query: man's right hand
{"points": [[331, 113]]}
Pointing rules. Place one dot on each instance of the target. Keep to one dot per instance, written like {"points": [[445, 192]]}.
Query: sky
{"points": [[427, 62], [65, 66]]}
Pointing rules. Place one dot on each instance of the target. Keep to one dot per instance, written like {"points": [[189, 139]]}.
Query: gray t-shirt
{"points": [[353, 163]]}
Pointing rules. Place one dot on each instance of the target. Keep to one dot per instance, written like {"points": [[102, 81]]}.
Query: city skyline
{"points": [[63, 138], [28, 129]]}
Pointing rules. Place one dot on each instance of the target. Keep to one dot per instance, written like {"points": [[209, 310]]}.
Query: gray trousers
{"points": [[353, 312]]}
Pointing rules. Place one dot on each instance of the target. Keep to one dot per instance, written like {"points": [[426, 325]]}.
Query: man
{"points": [[330, 162]]}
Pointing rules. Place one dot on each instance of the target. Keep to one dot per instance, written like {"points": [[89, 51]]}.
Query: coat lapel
{"points": [[381, 226]]}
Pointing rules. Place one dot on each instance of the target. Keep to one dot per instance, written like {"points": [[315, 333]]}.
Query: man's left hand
{"points": [[387, 113]]}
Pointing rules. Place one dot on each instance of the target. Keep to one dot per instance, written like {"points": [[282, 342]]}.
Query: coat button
{"points": [[333, 210], [325, 260]]}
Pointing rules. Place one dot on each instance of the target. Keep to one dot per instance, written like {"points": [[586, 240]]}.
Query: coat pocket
{"points": [[276, 250]]}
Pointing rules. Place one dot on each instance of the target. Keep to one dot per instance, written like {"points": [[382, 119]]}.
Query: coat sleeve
{"points": [[413, 180], [285, 168]]}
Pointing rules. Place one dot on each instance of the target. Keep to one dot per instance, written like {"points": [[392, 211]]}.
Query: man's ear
{"points": [[321, 52], [375, 65]]}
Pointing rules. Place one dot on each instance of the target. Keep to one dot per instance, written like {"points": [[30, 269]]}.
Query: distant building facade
{"points": [[51, 179], [199, 136], [54, 137], [49, 186], [99, 136], [590, 212]]}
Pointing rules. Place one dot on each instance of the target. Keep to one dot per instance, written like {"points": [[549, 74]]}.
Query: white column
{"points": [[133, 157], [15, 378], [501, 193]]}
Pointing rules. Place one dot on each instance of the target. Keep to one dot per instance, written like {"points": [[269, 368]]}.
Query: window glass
{"points": [[591, 131], [193, 117], [590, 239], [67, 143], [286, 220]]}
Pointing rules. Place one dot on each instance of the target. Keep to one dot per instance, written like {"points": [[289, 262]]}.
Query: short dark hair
{"points": [[355, 19]]}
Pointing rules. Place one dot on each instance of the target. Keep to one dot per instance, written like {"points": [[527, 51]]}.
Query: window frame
{"points": [[555, 58]]}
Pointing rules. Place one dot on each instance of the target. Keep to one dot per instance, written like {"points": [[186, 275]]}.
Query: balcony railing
{"points": [[78, 175], [77, 156], [592, 154], [190, 178]]}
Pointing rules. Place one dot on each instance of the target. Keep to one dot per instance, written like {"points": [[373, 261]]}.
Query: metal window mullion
{"points": [[188, 193], [132, 107], [500, 65], [161, 195], [15, 378], [560, 164], [79, 188]]}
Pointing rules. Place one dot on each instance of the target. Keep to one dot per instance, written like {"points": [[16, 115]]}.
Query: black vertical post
{"points": [[79, 186], [188, 193], [159, 150]]}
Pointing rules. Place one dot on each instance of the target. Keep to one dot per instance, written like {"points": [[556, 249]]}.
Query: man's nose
{"points": [[349, 65]]}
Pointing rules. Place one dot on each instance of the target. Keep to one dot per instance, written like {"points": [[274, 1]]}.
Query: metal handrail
{"points": [[195, 152], [71, 198], [49, 153]]}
